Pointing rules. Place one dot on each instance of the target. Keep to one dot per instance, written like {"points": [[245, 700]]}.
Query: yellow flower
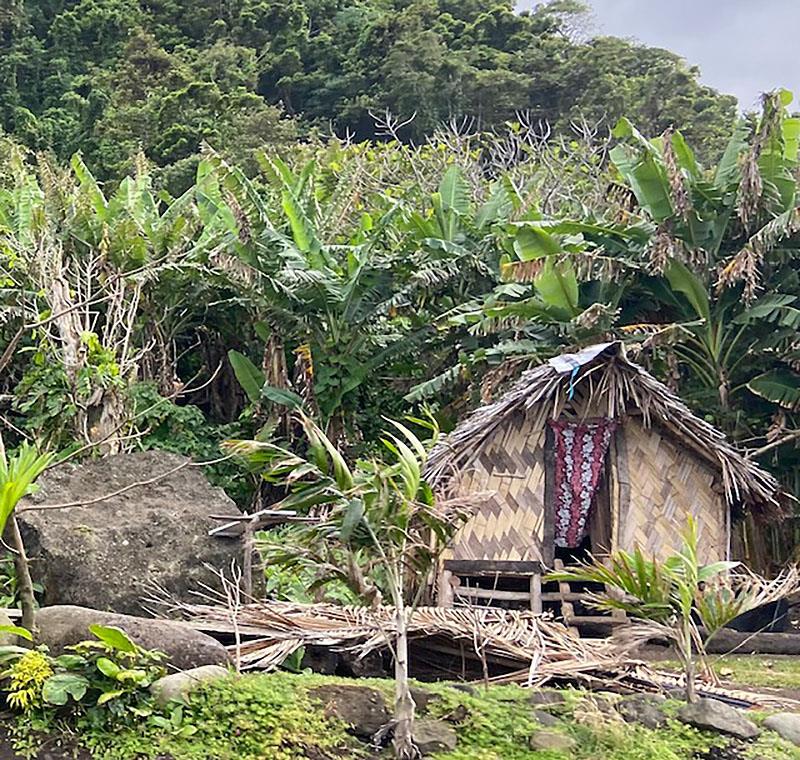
{"points": [[28, 675]]}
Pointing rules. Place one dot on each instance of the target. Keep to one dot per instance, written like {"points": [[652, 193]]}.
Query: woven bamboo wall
{"points": [[667, 483], [509, 526]]}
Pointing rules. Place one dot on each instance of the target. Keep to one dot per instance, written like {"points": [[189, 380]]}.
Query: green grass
{"points": [[777, 672], [272, 717]]}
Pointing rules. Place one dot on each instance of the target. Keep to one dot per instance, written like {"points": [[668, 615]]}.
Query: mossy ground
{"points": [[272, 717], [753, 671]]}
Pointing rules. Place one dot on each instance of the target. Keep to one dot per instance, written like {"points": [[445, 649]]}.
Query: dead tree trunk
{"points": [[404, 747]]}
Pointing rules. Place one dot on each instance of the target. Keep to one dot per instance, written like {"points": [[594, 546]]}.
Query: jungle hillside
{"points": [[257, 257]]}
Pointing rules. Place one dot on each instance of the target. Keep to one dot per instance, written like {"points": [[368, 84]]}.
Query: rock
{"points": [[422, 699], [362, 708], [711, 714], [7, 638], [551, 740], [545, 719], [465, 687], [110, 554], [643, 710], [176, 686], [434, 736], [545, 697], [786, 725], [64, 625]]}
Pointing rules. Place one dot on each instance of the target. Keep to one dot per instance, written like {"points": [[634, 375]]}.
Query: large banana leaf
{"points": [[454, 191], [250, 377], [683, 280], [776, 308], [781, 386], [497, 208], [532, 242], [558, 286], [729, 168], [643, 170], [685, 157]]}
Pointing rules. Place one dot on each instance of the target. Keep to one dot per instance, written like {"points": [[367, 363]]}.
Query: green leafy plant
{"points": [[176, 723], [111, 670], [381, 527], [105, 679], [18, 474], [679, 599], [27, 677]]}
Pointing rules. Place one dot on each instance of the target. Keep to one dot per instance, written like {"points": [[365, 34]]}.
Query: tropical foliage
{"points": [[374, 526], [679, 599], [355, 280], [109, 77]]}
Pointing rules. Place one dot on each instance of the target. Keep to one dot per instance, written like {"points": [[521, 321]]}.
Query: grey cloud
{"points": [[742, 47]]}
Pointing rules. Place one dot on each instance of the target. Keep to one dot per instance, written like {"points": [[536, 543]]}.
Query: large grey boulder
{"points": [[713, 715], [786, 725], [109, 555], [432, 736], [362, 708], [64, 625], [176, 687]]}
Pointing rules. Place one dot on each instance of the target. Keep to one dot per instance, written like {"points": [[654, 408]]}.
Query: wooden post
{"points": [[536, 594], [248, 538], [444, 596], [565, 592]]}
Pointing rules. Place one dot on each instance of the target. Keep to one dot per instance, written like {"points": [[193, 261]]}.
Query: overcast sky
{"points": [[743, 47]]}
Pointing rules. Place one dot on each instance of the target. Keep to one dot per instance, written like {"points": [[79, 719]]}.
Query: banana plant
{"points": [[720, 238], [342, 302], [550, 293], [83, 264]]}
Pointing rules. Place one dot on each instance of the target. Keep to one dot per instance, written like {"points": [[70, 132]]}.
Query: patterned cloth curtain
{"points": [[580, 450]]}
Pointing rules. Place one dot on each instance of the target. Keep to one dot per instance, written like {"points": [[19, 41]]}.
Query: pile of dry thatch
{"points": [[509, 646], [614, 385], [540, 648]]}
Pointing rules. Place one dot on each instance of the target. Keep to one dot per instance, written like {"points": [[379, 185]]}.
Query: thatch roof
{"points": [[615, 385]]}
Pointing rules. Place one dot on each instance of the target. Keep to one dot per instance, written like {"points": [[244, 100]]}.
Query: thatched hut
{"points": [[590, 453]]}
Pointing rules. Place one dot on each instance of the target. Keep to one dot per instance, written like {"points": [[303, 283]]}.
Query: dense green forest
{"points": [[213, 215], [110, 77]]}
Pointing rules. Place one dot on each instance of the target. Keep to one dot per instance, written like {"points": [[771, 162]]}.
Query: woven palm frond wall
{"points": [[669, 482], [510, 525]]}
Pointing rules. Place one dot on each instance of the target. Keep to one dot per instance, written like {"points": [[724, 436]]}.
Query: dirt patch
{"points": [[52, 749]]}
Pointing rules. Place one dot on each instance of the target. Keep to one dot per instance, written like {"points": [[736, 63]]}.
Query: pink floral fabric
{"points": [[580, 451]]}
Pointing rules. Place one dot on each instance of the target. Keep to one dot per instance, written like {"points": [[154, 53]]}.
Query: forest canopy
{"points": [[111, 77]]}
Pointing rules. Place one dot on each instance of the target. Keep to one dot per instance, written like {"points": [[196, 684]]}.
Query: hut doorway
{"points": [[577, 494], [597, 540]]}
